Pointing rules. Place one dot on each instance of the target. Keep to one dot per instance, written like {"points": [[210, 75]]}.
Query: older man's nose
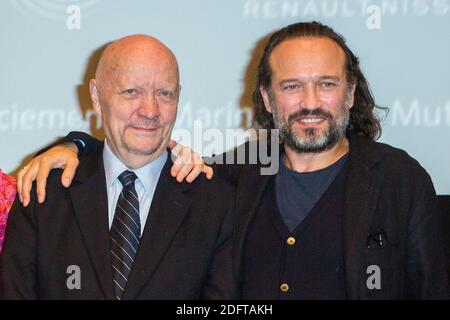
{"points": [[149, 107]]}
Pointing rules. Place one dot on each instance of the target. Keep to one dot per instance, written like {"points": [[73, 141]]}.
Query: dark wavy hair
{"points": [[363, 120]]}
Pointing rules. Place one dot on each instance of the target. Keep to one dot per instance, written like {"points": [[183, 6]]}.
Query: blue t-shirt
{"points": [[297, 192]]}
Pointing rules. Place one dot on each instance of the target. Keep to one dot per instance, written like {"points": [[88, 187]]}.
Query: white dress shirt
{"points": [[145, 184]]}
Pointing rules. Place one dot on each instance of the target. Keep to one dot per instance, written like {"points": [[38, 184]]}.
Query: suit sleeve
{"points": [[18, 271], [227, 166], [221, 283], [427, 269], [228, 172], [91, 144]]}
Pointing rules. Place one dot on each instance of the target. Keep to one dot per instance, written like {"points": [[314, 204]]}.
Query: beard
{"points": [[312, 140]]}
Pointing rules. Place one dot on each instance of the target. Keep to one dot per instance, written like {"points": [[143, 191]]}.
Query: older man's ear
{"points": [[95, 97]]}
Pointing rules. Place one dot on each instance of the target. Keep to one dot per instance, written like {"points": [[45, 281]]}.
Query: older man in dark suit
{"points": [[115, 234]]}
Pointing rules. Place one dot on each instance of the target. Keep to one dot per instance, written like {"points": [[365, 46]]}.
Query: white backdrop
{"points": [[48, 52]]}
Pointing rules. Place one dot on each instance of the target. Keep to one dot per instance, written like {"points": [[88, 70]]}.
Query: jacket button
{"points": [[290, 241], [284, 287]]}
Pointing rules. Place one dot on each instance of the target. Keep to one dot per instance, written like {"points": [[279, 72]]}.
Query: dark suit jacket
{"points": [[444, 202], [385, 189], [184, 253]]}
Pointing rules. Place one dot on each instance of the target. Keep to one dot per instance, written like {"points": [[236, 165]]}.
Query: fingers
{"points": [[178, 149], [180, 153], [197, 170], [40, 167], [176, 167], [208, 171], [181, 167], [41, 180], [184, 171], [19, 182], [172, 144], [194, 173], [69, 172], [188, 164], [27, 181]]}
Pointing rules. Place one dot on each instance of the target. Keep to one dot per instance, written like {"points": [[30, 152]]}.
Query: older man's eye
{"points": [[129, 92], [166, 94]]}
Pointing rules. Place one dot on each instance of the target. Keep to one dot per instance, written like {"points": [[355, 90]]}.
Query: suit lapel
{"points": [[89, 198], [361, 196], [168, 209]]}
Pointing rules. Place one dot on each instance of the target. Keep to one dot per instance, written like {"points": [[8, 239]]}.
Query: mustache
{"points": [[147, 123], [308, 112]]}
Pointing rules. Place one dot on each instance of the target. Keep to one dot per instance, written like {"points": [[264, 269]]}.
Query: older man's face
{"points": [[309, 95], [138, 99]]}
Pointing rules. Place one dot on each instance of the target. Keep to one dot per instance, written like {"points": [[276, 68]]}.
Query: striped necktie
{"points": [[125, 233]]}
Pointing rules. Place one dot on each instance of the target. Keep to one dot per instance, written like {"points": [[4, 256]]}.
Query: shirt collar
{"points": [[148, 175]]}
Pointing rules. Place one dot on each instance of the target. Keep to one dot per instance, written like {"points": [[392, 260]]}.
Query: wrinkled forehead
{"points": [[143, 72], [308, 56]]}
